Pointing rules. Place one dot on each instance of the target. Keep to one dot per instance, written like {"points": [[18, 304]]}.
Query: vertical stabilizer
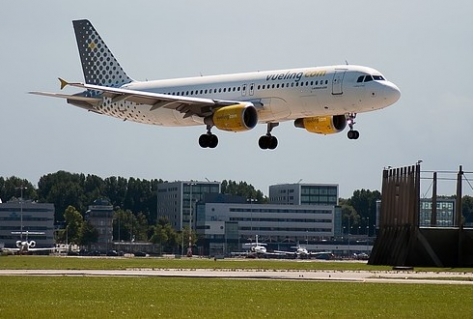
{"points": [[98, 64]]}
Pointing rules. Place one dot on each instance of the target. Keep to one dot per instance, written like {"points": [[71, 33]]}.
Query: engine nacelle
{"points": [[322, 124], [18, 243], [234, 118], [32, 244]]}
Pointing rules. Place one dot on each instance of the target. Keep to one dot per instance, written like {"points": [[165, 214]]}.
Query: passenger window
{"points": [[278, 86], [224, 90]]}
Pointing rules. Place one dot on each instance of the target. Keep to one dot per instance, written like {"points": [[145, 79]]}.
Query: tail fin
{"points": [[98, 64]]}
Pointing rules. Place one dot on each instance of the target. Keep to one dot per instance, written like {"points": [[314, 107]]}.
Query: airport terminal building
{"points": [[296, 213], [225, 227], [27, 216]]}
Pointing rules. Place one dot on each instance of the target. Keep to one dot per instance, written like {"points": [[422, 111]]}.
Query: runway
{"points": [[342, 276]]}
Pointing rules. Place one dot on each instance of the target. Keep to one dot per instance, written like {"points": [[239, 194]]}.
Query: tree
{"points": [[89, 234], [164, 235], [62, 189], [364, 203], [73, 225], [349, 215], [467, 209], [124, 225], [242, 189], [159, 236], [13, 187]]}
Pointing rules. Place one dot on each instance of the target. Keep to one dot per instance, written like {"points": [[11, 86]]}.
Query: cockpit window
{"points": [[378, 78], [360, 79], [368, 78]]}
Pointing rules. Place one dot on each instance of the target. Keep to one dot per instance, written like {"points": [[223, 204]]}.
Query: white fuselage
{"points": [[278, 96]]}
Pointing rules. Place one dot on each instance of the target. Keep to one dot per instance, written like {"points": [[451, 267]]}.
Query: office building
{"points": [[27, 216], [445, 212], [227, 225], [176, 201], [304, 194]]}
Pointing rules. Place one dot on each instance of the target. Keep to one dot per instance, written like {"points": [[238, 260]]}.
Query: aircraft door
{"points": [[244, 89], [337, 82], [251, 89]]}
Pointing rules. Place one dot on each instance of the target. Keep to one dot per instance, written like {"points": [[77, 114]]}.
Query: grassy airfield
{"points": [[120, 263], [155, 297]]}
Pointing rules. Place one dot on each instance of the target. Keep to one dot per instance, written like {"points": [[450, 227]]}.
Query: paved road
{"points": [[346, 276]]}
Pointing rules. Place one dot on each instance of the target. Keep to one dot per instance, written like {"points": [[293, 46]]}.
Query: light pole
{"points": [[190, 248], [21, 210]]}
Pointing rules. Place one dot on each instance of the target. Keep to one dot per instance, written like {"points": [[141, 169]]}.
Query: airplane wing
{"points": [[42, 249], [283, 252], [190, 106]]}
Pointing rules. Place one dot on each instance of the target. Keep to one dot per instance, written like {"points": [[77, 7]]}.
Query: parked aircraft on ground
{"points": [[25, 246], [257, 248], [322, 100]]}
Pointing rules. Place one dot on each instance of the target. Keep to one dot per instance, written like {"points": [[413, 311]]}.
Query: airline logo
{"points": [[297, 76]]}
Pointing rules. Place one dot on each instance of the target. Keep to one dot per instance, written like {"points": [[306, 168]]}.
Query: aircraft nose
{"points": [[392, 93]]}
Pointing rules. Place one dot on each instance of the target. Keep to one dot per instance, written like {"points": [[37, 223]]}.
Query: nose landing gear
{"points": [[352, 134]]}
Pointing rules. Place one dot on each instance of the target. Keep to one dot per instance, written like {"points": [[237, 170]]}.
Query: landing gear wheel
{"points": [[268, 142], [213, 141], [353, 135], [208, 140]]}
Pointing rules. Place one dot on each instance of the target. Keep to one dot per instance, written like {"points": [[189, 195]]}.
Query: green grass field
{"points": [[155, 297], [74, 263], [125, 297]]}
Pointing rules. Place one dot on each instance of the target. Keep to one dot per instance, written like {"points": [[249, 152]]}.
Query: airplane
{"points": [[26, 246], [257, 248], [322, 100], [300, 252]]}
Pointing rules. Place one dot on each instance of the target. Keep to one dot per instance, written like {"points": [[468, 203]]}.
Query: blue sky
{"points": [[424, 48]]}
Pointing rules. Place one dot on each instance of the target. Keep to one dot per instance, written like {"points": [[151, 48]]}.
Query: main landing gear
{"points": [[208, 140], [268, 141], [352, 134]]}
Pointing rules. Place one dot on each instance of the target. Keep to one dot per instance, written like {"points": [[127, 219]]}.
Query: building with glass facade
{"points": [[304, 194], [445, 212], [176, 201]]}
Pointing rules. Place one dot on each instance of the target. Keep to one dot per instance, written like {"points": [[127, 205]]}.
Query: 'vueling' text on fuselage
{"points": [[295, 75]]}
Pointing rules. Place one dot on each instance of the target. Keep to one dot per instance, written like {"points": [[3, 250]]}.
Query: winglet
{"points": [[64, 83]]}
